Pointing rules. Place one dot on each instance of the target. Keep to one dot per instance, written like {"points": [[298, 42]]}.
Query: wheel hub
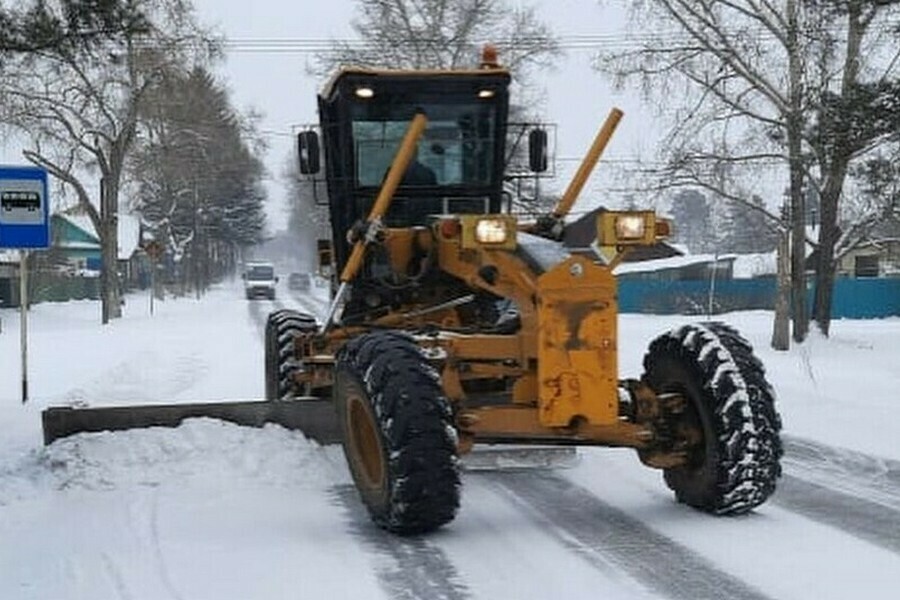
{"points": [[365, 444]]}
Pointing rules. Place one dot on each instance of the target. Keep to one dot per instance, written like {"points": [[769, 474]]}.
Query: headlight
{"points": [[630, 227], [491, 231]]}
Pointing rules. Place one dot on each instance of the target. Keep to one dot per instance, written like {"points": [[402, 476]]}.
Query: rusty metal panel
{"points": [[577, 345]]}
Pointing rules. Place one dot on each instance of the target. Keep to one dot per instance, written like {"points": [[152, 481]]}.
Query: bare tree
{"points": [[443, 34], [429, 34], [751, 78], [81, 113]]}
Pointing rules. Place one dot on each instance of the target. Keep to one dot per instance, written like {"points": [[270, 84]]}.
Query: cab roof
{"points": [[347, 71]]}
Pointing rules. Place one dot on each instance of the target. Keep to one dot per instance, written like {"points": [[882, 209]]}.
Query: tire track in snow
{"points": [[606, 535], [854, 492], [115, 575], [418, 569], [160, 557], [872, 478], [860, 518]]}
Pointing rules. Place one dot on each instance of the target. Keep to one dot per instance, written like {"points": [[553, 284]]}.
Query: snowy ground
{"points": [[216, 511]]}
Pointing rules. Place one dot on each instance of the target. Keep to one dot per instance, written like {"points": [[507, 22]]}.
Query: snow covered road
{"points": [[212, 510]]}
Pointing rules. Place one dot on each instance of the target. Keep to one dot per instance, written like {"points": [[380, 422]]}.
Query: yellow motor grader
{"points": [[454, 322]]}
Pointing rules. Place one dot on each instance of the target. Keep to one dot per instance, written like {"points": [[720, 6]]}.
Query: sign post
{"points": [[24, 224], [154, 250], [23, 320]]}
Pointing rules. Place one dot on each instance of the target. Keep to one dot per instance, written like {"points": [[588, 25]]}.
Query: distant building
{"points": [[696, 267], [72, 263], [878, 257]]}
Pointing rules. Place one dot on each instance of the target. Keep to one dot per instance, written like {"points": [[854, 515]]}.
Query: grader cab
{"points": [[456, 323]]}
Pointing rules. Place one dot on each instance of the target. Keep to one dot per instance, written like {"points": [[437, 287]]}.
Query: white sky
{"points": [[212, 510]]}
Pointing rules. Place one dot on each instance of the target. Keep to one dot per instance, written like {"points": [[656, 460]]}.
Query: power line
{"points": [[589, 42]]}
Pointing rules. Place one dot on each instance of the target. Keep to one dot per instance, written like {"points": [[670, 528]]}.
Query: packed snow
{"points": [[213, 510]]}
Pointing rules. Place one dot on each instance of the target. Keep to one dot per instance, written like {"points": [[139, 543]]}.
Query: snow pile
{"points": [[202, 453]]}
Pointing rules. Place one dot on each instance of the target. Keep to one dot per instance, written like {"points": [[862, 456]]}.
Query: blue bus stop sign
{"points": [[24, 208]]}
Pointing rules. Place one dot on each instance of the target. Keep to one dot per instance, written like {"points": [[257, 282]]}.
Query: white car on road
{"points": [[260, 280]]}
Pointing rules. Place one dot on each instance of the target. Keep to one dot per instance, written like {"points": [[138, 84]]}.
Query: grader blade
{"points": [[315, 417]]}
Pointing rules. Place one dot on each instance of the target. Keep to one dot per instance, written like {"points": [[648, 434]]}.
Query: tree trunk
{"points": [[781, 331], [798, 199], [828, 234], [799, 310], [837, 174], [110, 306]]}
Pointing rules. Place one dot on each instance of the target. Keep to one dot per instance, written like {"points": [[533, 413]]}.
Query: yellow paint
{"points": [[587, 165], [577, 367]]}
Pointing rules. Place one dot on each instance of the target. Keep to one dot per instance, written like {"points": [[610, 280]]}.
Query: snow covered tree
{"points": [[198, 175], [750, 231], [70, 26], [80, 111], [854, 121], [691, 214]]}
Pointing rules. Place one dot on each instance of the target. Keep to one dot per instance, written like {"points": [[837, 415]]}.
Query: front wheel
{"points": [[734, 465], [398, 433]]}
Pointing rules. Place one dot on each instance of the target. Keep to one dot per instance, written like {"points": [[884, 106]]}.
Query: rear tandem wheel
{"points": [[281, 328], [398, 433]]}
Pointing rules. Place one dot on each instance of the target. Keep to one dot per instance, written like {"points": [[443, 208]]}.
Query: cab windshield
{"points": [[457, 146], [261, 273]]}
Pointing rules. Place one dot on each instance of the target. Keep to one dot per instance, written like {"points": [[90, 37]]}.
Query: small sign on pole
{"points": [[24, 224]]}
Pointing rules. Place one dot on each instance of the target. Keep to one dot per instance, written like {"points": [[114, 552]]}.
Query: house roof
{"points": [[675, 262], [129, 233], [82, 222]]}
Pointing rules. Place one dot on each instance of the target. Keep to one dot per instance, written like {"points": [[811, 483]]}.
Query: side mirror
{"points": [[537, 150], [308, 152]]}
